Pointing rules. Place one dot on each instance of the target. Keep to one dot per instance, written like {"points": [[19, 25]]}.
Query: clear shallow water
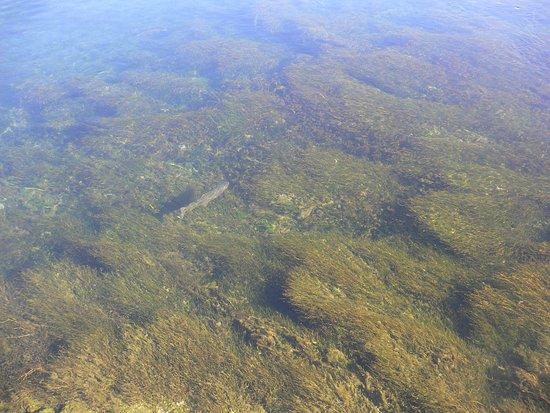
{"points": [[273, 206]]}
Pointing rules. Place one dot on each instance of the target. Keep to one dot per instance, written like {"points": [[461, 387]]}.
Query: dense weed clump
{"points": [[412, 352]]}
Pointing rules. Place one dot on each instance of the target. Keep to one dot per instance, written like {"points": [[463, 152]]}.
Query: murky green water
{"points": [[274, 206]]}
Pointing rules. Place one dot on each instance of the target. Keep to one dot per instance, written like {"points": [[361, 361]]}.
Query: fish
{"points": [[204, 199], [184, 198], [187, 200]]}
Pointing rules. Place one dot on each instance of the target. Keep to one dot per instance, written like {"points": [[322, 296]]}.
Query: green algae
{"points": [[509, 315], [324, 189], [382, 245], [185, 92], [485, 228], [343, 295]]}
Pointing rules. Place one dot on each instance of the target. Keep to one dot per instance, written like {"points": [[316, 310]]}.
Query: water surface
{"points": [[274, 206]]}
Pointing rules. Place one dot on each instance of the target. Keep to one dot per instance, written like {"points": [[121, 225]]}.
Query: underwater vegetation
{"points": [[274, 206]]}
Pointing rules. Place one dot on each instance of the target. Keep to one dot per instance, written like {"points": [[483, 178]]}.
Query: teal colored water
{"points": [[274, 206]]}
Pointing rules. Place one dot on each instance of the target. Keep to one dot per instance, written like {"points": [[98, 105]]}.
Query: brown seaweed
{"points": [[385, 248]]}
